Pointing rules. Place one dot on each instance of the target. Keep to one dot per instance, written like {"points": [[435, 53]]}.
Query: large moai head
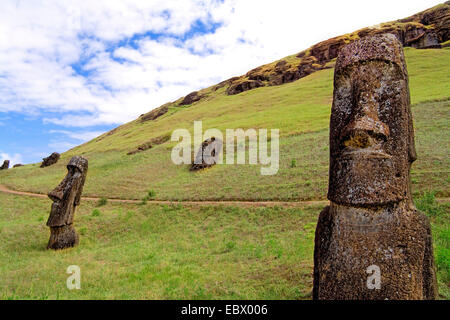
{"points": [[66, 196], [371, 130]]}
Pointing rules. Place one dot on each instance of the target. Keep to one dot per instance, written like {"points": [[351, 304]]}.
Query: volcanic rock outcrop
{"points": [[156, 113], [66, 197], [191, 98], [208, 154], [427, 29], [371, 242], [50, 160], [245, 85], [5, 165]]}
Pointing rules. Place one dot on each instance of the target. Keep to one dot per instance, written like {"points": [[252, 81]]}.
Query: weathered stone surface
{"points": [[245, 85], [191, 98], [17, 165], [66, 197], [208, 154], [437, 19], [155, 114], [5, 165], [50, 160], [371, 219], [427, 40], [367, 126], [224, 83]]}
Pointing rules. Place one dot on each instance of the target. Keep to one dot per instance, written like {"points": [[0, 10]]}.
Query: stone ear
{"points": [[412, 155], [80, 190]]}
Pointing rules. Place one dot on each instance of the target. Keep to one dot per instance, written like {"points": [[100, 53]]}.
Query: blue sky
{"points": [[70, 71]]}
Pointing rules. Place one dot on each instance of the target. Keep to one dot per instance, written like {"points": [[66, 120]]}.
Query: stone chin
{"points": [[55, 207], [363, 178]]}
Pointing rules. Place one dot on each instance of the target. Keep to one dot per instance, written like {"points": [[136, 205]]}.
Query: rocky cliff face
{"points": [[426, 29]]}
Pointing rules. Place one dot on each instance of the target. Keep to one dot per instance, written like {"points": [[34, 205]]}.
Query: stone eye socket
{"points": [[362, 139], [73, 169]]}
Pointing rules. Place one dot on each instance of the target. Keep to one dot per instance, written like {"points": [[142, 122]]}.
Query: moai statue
{"points": [[50, 160], [371, 242], [208, 154], [66, 196], [5, 165]]}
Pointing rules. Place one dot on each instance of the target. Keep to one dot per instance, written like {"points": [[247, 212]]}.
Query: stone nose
{"points": [[365, 132], [56, 195], [366, 120]]}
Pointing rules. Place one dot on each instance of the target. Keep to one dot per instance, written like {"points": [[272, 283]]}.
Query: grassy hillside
{"points": [[174, 252], [299, 109]]}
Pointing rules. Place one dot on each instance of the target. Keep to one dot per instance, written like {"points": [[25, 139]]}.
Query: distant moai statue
{"points": [[208, 154], [5, 165], [66, 197], [371, 242], [50, 160]]}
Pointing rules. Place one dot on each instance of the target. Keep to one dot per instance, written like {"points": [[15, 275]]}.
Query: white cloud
{"points": [[42, 44], [13, 159], [83, 135]]}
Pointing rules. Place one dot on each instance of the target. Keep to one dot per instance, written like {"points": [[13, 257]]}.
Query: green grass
{"points": [[439, 215], [158, 252], [173, 252], [102, 201], [299, 109]]}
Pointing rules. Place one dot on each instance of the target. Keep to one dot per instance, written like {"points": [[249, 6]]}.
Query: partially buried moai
{"points": [[371, 242], [66, 197]]}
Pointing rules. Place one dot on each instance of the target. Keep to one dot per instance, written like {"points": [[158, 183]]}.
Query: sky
{"points": [[71, 70]]}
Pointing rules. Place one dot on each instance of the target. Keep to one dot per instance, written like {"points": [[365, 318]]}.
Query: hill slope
{"points": [[300, 109]]}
